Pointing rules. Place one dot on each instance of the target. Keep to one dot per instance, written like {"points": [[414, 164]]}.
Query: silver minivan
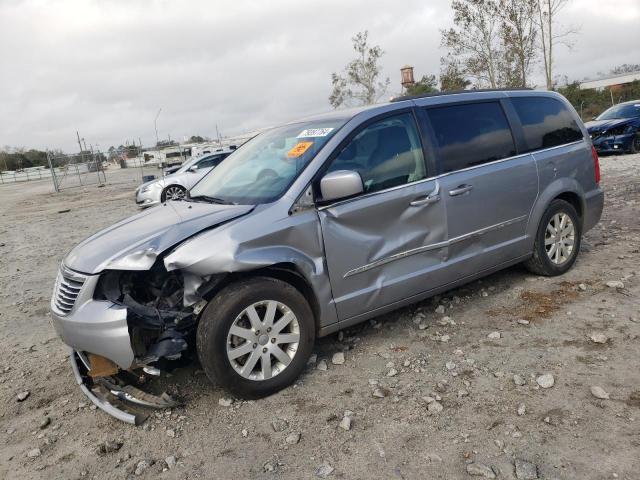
{"points": [[319, 224]]}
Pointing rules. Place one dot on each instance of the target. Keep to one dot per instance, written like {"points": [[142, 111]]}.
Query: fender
{"points": [[551, 191], [301, 247]]}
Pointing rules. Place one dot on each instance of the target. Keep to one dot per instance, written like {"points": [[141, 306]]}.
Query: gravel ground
{"points": [[449, 388]]}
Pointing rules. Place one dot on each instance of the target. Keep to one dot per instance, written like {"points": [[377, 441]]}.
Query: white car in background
{"points": [[175, 185]]}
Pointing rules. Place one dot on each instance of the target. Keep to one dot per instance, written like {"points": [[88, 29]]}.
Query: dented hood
{"points": [[135, 243]]}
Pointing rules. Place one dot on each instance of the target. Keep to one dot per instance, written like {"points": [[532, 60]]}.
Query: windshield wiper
{"points": [[209, 199]]}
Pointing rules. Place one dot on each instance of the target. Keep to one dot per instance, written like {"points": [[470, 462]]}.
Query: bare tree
{"points": [[474, 39], [361, 80], [518, 31], [549, 38]]}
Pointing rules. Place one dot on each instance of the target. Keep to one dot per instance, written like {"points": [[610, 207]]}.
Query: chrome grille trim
{"points": [[68, 287]]}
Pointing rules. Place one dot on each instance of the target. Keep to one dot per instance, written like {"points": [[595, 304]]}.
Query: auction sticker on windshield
{"points": [[298, 149], [315, 132]]}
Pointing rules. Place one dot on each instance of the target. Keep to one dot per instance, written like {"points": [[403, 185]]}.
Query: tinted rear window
{"points": [[470, 135], [546, 122]]}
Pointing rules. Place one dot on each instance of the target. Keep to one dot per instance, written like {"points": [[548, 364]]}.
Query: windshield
{"points": [[629, 110], [264, 167]]}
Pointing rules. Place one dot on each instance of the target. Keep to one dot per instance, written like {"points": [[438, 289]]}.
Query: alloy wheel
{"points": [[263, 340], [559, 239], [174, 193]]}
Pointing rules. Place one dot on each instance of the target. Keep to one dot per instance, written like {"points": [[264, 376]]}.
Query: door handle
{"points": [[433, 197], [460, 190]]}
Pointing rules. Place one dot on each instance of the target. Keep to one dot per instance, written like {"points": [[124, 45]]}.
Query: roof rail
{"points": [[455, 92]]}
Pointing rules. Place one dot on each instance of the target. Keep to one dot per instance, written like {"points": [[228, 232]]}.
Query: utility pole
{"points": [[155, 123], [218, 134]]}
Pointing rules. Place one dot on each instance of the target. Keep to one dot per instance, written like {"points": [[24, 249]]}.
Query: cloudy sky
{"points": [[105, 67]]}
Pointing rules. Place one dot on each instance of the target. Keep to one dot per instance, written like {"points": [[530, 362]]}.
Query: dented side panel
{"points": [[381, 248]]}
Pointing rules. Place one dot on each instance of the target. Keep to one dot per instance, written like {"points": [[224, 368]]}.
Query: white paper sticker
{"points": [[315, 132]]}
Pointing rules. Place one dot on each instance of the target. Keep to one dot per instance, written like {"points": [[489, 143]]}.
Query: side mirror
{"points": [[192, 169], [340, 184]]}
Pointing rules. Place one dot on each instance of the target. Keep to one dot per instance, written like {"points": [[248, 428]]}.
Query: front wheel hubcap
{"points": [[174, 193], [559, 238], [273, 351]]}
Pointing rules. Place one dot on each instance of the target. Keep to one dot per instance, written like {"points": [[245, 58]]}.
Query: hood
{"points": [[136, 242], [604, 125]]}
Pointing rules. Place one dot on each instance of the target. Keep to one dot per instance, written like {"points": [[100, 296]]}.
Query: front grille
{"points": [[68, 286]]}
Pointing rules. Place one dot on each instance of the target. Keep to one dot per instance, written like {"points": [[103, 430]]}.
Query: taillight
{"points": [[596, 164]]}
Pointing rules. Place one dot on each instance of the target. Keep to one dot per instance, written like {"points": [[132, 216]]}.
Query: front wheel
{"points": [[173, 192], [635, 144], [255, 337], [557, 241]]}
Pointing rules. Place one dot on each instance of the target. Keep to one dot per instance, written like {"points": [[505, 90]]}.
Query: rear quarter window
{"points": [[470, 134], [546, 122]]}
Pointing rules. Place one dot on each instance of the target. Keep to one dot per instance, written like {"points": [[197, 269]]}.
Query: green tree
{"points": [[451, 76], [360, 83], [427, 84], [518, 34]]}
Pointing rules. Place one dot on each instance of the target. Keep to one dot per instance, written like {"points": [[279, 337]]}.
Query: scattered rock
{"points": [[380, 392], [46, 421], [494, 336], [450, 365], [582, 287], [392, 373], [476, 469], [440, 309], [598, 337], [293, 438], [519, 380], [279, 424], [110, 446], [526, 470], [22, 396], [171, 433], [444, 338], [435, 407], [322, 365], [141, 466], [324, 470], [225, 402], [523, 322], [312, 359], [615, 284], [170, 461], [34, 453], [338, 358], [546, 380], [599, 392], [522, 409], [345, 423]]}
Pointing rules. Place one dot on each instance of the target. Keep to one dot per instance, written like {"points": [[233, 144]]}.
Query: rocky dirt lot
{"points": [[514, 376]]}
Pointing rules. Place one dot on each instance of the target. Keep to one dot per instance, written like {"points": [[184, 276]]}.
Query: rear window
{"points": [[546, 122], [470, 135]]}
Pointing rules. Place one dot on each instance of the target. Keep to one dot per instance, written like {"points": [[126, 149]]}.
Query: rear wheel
{"points": [[557, 241], [173, 192], [255, 337]]}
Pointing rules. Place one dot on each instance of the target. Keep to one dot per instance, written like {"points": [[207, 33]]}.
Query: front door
{"points": [[488, 189], [388, 243]]}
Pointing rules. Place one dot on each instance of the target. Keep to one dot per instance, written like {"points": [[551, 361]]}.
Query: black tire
{"points": [[540, 263], [219, 316], [163, 195], [635, 144]]}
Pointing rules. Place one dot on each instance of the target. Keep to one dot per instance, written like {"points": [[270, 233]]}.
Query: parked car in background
{"points": [[318, 225], [173, 169], [617, 129], [175, 185]]}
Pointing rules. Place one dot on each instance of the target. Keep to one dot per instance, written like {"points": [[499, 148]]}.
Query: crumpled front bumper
{"points": [[613, 143], [99, 327]]}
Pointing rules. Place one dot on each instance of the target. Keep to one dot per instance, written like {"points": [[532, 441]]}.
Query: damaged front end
{"points": [[161, 323]]}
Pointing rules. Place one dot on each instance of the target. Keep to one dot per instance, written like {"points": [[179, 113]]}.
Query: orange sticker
{"points": [[298, 149]]}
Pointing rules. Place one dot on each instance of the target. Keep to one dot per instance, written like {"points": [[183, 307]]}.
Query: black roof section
{"points": [[455, 92]]}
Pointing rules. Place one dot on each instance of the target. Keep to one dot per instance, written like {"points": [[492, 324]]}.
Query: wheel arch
{"points": [[567, 189]]}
